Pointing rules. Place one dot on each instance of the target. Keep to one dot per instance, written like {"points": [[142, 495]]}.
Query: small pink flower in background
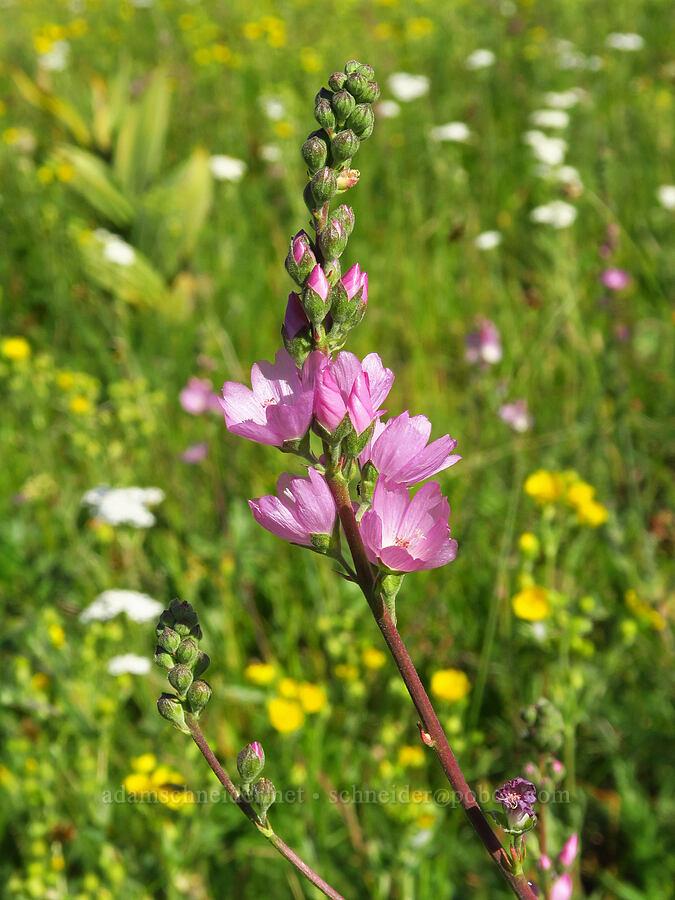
{"points": [[516, 415], [615, 279], [484, 345], [354, 280], [561, 889], [399, 451], [408, 535], [346, 386], [557, 766], [304, 507], [569, 852], [544, 862], [277, 409], [198, 396], [195, 453]]}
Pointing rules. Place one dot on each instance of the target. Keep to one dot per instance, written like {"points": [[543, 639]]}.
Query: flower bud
{"points": [[347, 179], [315, 296], [198, 695], [324, 186], [544, 725], [315, 153], [163, 659], [170, 708], [357, 85], [362, 120], [336, 80], [332, 271], [264, 794], [201, 664], [187, 652], [250, 761], [180, 678], [345, 216], [344, 145], [351, 66], [185, 617], [367, 70], [371, 92], [349, 303], [333, 240], [324, 114], [296, 330], [300, 259], [342, 103], [168, 639]]}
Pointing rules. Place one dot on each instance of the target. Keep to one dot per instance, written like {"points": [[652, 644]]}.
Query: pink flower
{"points": [[544, 862], [484, 345], [318, 282], [561, 889], [615, 279], [408, 535], [278, 409], [399, 450], [195, 453], [304, 507], [295, 319], [355, 280], [346, 386], [198, 396], [516, 415], [569, 852]]}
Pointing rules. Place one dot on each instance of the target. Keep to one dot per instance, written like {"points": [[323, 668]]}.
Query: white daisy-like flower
{"points": [[550, 118], [406, 87], [452, 131], [557, 213], [227, 168], [273, 107], [563, 99], [549, 150], [130, 664], [488, 240], [123, 506], [567, 175], [56, 58], [628, 42], [388, 109], [139, 607], [666, 195], [270, 153], [480, 59], [115, 250]]}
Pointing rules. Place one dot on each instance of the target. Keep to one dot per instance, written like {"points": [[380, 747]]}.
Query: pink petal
{"points": [[561, 889], [329, 407], [271, 513], [346, 368], [359, 405], [569, 852], [380, 379], [291, 421]]}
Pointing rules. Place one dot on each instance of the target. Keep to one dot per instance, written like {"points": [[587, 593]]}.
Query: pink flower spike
{"points": [[277, 409], [303, 507], [408, 535], [615, 279], [561, 889], [318, 282], [569, 852], [295, 319], [399, 451], [198, 397]]}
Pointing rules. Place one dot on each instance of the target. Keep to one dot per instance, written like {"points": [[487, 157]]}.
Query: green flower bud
{"points": [[345, 216], [184, 616], [324, 186], [344, 145], [163, 659], [333, 240], [324, 114], [166, 620], [336, 80], [544, 725], [369, 476], [367, 71], [168, 639], [264, 794], [198, 695], [251, 761], [357, 85], [343, 103], [187, 652], [332, 270], [351, 66], [170, 708], [362, 120], [371, 92], [180, 678], [315, 153], [201, 664]]}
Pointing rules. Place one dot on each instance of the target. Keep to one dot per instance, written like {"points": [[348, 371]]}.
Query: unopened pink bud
{"points": [[561, 889], [557, 766], [545, 862], [318, 282], [329, 407], [569, 852], [360, 405]]}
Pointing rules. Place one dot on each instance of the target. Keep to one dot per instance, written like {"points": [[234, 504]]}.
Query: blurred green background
{"points": [[137, 252]]}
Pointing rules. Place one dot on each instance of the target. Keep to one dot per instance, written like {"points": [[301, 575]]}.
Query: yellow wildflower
{"points": [[412, 756], [593, 514], [285, 715], [419, 27], [528, 544], [544, 486], [202, 56], [137, 783], [312, 697], [221, 53], [40, 681], [643, 610], [253, 31], [383, 31], [58, 863], [186, 21], [80, 405], [65, 380], [175, 797], [163, 775], [310, 60], [386, 768], [426, 821], [346, 672], [42, 44], [580, 493], [15, 348], [450, 684], [145, 763], [373, 658], [283, 129], [260, 673], [57, 635], [288, 688], [65, 172], [531, 603]]}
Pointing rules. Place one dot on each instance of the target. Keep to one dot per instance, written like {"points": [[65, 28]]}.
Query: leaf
{"points": [[142, 137], [62, 111], [121, 269], [92, 180]]}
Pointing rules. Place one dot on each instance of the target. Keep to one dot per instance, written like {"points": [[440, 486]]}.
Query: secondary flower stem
{"points": [[366, 579], [251, 814]]}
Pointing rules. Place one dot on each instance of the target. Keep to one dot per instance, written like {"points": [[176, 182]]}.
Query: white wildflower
{"points": [[550, 118], [488, 240], [123, 506], [563, 99], [56, 58], [627, 42], [273, 108], [270, 153], [227, 168], [557, 213], [129, 663], [406, 87], [115, 250], [549, 150], [452, 131], [139, 607], [388, 109], [480, 59], [666, 195]]}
